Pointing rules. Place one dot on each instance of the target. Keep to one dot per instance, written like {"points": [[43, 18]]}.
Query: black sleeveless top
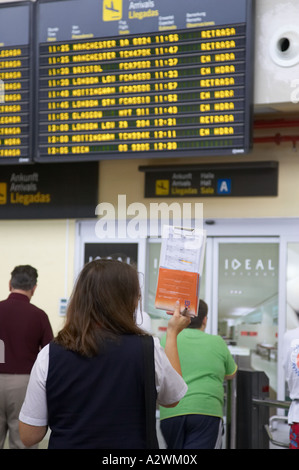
{"points": [[98, 402]]}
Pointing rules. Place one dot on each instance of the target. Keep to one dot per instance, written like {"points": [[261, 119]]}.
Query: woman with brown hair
{"points": [[88, 384]]}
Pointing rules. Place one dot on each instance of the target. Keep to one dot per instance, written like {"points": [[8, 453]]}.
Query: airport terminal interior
{"points": [[97, 198]]}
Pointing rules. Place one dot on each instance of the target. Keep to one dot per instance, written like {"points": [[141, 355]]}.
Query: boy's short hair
{"points": [[196, 322]]}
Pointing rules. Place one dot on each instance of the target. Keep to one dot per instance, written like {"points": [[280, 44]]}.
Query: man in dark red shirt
{"points": [[24, 330]]}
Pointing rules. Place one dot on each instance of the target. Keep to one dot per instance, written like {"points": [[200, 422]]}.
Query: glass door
{"points": [[291, 320], [292, 286], [245, 301]]}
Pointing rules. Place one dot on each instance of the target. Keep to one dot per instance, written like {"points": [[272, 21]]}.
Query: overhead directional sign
{"points": [[215, 180]]}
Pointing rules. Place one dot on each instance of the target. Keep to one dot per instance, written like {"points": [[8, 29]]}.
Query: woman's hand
{"points": [[178, 320], [176, 324]]}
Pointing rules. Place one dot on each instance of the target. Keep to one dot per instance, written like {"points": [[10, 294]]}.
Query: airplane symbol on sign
{"points": [[111, 8]]}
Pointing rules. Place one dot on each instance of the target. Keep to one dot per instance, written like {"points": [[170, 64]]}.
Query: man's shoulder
{"points": [[37, 309], [4, 304]]}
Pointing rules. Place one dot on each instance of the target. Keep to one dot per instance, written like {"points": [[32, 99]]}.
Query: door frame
{"points": [[284, 230], [215, 276], [217, 241], [86, 233]]}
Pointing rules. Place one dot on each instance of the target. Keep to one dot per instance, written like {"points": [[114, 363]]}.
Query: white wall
{"points": [[49, 247], [276, 71]]}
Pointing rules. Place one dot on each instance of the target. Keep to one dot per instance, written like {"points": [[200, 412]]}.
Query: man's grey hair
{"points": [[24, 277]]}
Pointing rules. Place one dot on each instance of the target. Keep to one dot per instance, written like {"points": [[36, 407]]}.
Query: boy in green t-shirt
{"points": [[196, 422]]}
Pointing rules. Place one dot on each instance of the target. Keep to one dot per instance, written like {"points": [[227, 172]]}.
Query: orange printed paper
{"points": [[181, 265], [176, 285]]}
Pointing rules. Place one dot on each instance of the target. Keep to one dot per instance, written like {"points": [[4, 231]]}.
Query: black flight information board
{"points": [[152, 78], [16, 83]]}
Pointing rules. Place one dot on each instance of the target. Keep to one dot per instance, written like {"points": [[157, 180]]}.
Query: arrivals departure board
{"points": [[134, 78], [15, 83]]}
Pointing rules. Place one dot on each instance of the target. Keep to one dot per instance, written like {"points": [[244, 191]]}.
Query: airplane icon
{"points": [[3, 193], [162, 187], [112, 10]]}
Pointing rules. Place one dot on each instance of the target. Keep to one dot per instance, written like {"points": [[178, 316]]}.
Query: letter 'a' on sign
{"points": [[112, 10], [224, 186]]}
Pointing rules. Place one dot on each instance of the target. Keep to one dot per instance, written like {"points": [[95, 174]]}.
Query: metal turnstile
{"points": [[251, 419]]}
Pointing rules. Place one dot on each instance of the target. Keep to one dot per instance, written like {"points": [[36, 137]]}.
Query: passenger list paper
{"points": [[180, 270]]}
